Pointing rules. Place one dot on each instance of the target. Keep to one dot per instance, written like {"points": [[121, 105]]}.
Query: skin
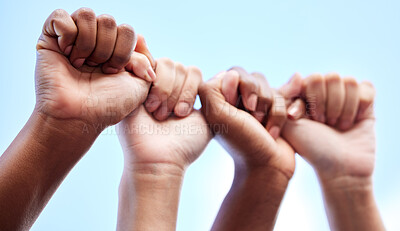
{"points": [[158, 151], [85, 82], [338, 140], [263, 171]]}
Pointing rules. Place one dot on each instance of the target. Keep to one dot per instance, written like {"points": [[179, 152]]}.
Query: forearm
{"points": [[35, 164], [253, 201], [149, 197], [350, 204]]}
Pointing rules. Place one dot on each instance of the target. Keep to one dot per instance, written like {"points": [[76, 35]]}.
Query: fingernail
{"points": [[78, 63], [332, 121], [344, 125], [151, 73], [68, 50], [274, 132], [110, 70], [183, 109], [321, 118], [152, 104], [162, 113], [90, 63], [252, 102], [294, 112]]}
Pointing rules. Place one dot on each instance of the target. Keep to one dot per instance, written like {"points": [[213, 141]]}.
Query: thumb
{"points": [[302, 135], [141, 47], [292, 88]]}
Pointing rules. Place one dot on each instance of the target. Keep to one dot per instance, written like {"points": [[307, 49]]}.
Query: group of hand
{"points": [[91, 74]]}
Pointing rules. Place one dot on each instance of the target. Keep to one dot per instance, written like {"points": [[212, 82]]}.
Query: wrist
{"points": [[348, 184], [269, 176], [75, 129], [55, 145], [153, 171], [141, 158], [253, 201], [149, 197], [350, 204]]}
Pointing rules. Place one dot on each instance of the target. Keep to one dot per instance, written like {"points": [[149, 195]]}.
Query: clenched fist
{"points": [[87, 68]]}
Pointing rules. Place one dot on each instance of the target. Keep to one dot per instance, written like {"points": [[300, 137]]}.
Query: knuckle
{"points": [[59, 13], [166, 62], [86, 13], [350, 82], [237, 68], [127, 30], [173, 98], [315, 79], [204, 88], [188, 95], [332, 78], [195, 72], [369, 85], [258, 75], [250, 83], [164, 93], [179, 68], [107, 21]]}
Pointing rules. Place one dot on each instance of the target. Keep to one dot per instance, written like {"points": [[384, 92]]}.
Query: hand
{"points": [[157, 152], [179, 139], [82, 79], [86, 68], [241, 109], [338, 138]]}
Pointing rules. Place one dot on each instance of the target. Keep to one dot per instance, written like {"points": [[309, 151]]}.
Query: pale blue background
{"points": [[278, 38]]}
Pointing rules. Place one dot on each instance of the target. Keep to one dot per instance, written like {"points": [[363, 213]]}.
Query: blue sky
{"points": [[355, 38]]}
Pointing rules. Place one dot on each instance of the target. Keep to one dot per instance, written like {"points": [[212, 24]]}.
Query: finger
{"points": [[105, 41], [335, 95], [292, 88], [219, 112], [189, 92], [297, 109], [264, 94], [276, 116], [210, 93], [351, 102], [126, 41], [59, 33], [367, 97], [167, 108], [141, 67], [162, 86], [85, 20], [315, 95], [229, 87], [248, 89], [141, 47]]}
